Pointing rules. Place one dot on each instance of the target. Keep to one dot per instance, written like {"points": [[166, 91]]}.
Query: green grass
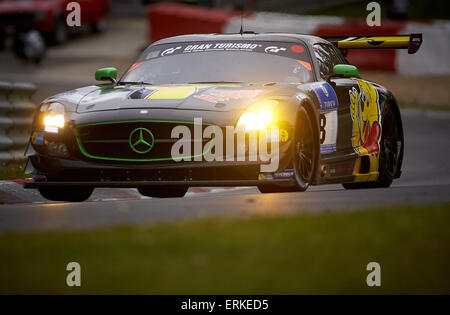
{"points": [[307, 253], [13, 170]]}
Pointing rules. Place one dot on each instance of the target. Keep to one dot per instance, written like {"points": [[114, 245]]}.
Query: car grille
{"points": [[112, 140]]}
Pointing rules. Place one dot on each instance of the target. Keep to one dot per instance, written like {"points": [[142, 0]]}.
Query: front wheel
{"points": [[163, 191], [70, 194], [305, 157]]}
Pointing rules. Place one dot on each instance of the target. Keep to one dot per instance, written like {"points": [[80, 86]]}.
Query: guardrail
{"points": [[16, 115]]}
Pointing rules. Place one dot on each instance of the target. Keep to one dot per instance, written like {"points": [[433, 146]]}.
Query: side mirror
{"points": [[345, 71], [106, 74]]}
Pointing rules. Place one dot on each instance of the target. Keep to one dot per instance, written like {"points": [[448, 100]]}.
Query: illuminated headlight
{"points": [[54, 121], [53, 114], [259, 116]]}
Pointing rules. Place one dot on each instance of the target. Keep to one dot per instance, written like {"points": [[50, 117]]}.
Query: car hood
{"points": [[212, 97]]}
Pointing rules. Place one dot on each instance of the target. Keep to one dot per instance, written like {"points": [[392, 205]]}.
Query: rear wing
{"points": [[411, 42]]}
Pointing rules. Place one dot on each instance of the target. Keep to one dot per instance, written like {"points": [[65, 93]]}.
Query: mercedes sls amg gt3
{"points": [[332, 125]]}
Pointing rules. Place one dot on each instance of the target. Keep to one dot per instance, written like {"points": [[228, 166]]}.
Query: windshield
{"points": [[224, 61]]}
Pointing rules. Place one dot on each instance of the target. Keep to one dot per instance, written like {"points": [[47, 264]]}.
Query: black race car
{"points": [[193, 111]]}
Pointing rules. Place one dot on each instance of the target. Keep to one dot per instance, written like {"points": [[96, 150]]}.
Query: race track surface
{"points": [[425, 179]]}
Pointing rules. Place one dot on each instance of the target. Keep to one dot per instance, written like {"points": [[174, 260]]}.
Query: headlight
{"points": [[259, 116], [54, 121], [53, 114]]}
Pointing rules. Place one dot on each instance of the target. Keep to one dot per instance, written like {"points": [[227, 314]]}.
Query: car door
{"points": [[328, 56]]}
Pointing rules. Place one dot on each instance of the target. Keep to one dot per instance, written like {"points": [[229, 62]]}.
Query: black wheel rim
{"points": [[304, 150]]}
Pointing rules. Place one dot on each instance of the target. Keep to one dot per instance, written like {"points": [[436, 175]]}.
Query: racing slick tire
{"points": [[163, 191], [70, 193], [391, 151], [305, 152]]}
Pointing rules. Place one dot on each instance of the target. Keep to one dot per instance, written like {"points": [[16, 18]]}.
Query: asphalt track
{"points": [[425, 179]]}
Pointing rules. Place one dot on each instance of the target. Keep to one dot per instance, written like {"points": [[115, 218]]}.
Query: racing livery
{"points": [[331, 125]]}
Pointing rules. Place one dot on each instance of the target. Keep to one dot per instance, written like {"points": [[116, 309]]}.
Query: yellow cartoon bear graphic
{"points": [[365, 112]]}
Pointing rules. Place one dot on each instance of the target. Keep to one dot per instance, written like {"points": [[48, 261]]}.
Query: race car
{"points": [[188, 111], [49, 17]]}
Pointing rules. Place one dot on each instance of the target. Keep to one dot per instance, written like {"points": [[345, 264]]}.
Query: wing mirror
{"points": [[106, 74], [344, 70]]}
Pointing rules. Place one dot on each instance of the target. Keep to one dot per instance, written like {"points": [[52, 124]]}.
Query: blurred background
{"points": [[237, 240], [39, 48]]}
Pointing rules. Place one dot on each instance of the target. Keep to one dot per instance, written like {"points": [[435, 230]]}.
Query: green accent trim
{"points": [[141, 140], [105, 74], [87, 154], [140, 120], [345, 70]]}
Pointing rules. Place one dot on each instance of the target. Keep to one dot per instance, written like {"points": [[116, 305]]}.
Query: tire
{"points": [[391, 152], [305, 155], [70, 194], [163, 191]]}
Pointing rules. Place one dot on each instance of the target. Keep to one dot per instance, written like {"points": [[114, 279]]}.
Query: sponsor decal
{"points": [[328, 118], [365, 113], [297, 49], [324, 90], [170, 51], [274, 49], [284, 135], [220, 46], [305, 64], [236, 46], [227, 95], [257, 47], [198, 47], [134, 66], [37, 138], [263, 176], [327, 148], [285, 174], [328, 131], [326, 95]]}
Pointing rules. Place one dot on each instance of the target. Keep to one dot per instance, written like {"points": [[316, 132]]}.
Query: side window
{"points": [[328, 56], [338, 57], [324, 58]]}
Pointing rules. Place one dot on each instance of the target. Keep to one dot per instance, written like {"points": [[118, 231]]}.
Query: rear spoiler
{"points": [[411, 42]]}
